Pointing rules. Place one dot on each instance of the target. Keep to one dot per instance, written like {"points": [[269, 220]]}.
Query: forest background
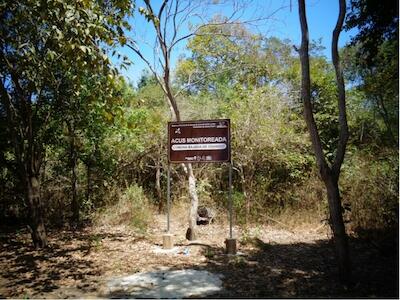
{"points": [[79, 143]]}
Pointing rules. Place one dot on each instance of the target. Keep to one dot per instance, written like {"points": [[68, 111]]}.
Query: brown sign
{"points": [[199, 141]]}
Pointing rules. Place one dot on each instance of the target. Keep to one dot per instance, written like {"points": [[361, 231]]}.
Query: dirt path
{"points": [[273, 262]]}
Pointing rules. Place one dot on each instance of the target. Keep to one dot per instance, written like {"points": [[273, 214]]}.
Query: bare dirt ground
{"points": [[272, 262]]}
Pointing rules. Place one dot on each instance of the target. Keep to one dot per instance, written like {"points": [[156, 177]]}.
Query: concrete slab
{"points": [[165, 284]]}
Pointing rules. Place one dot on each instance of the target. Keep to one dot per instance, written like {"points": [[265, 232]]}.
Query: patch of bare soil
{"points": [[272, 262]]}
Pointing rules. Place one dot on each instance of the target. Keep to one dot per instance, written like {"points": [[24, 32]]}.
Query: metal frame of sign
{"points": [[226, 158]]}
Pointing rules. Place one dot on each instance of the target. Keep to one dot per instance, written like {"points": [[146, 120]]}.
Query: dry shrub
{"points": [[304, 205], [180, 209], [370, 186], [132, 208], [296, 219]]}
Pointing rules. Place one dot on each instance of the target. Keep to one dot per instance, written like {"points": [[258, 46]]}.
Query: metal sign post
{"points": [[230, 202], [167, 237], [231, 242], [168, 195]]}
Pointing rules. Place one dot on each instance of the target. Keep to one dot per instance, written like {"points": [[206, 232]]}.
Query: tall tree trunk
{"points": [[88, 181], [194, 200], [74, 185], [73, 162], [165, 84], [338, 228], [36, 221], [329, 174], [194, 203], [28, 153]]}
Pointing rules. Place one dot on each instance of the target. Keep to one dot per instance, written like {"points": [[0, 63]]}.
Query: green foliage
{"points": [[238, 200], [53, 57], [139, 134], [377, 21], [230, 56], [371, 61], [209, 253], [204, 191], [270, 149]]}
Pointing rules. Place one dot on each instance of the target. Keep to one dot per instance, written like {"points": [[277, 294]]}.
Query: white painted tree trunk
{"points": [[194, 203]]}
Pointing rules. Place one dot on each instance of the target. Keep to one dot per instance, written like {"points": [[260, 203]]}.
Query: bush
{"points": [[370, 187], [132, 209]]}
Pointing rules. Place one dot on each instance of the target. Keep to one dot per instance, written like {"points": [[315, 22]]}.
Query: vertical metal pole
{"points": [[168, 195], [230, 202]]}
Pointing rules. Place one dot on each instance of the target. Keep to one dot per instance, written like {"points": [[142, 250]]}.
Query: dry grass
{"points": [[132, 209]]}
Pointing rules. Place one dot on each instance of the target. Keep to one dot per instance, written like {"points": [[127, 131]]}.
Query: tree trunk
{"points": [[36, 222], [28, 152], [74, 190], [194, 203], [88, 182], [338, 229], [74, 183], [166, 86], [329, 174]]}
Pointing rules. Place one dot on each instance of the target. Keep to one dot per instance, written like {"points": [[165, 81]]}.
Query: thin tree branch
{"points": [[166, 21], [205, 76], [175, 29], [306, 95], [138, 53], [343, 127], [164, 3], [226, 22]]}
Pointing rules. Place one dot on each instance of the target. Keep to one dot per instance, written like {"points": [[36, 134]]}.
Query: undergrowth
{"points": [[132, 209]]}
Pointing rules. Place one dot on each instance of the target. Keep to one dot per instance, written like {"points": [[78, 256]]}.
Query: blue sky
{"points": [[322, 16]]}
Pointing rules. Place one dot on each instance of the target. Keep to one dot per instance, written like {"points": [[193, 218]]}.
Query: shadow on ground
{"points": [[305, 270], [260, 271], [30, 272]]}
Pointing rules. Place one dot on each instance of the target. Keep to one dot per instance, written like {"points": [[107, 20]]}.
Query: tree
{"points": [[377, 21], [372, 59], [233, 72], [43, 46], [166, 23], [223, 57], [86, 118], [329, 172], [138, 138]]}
